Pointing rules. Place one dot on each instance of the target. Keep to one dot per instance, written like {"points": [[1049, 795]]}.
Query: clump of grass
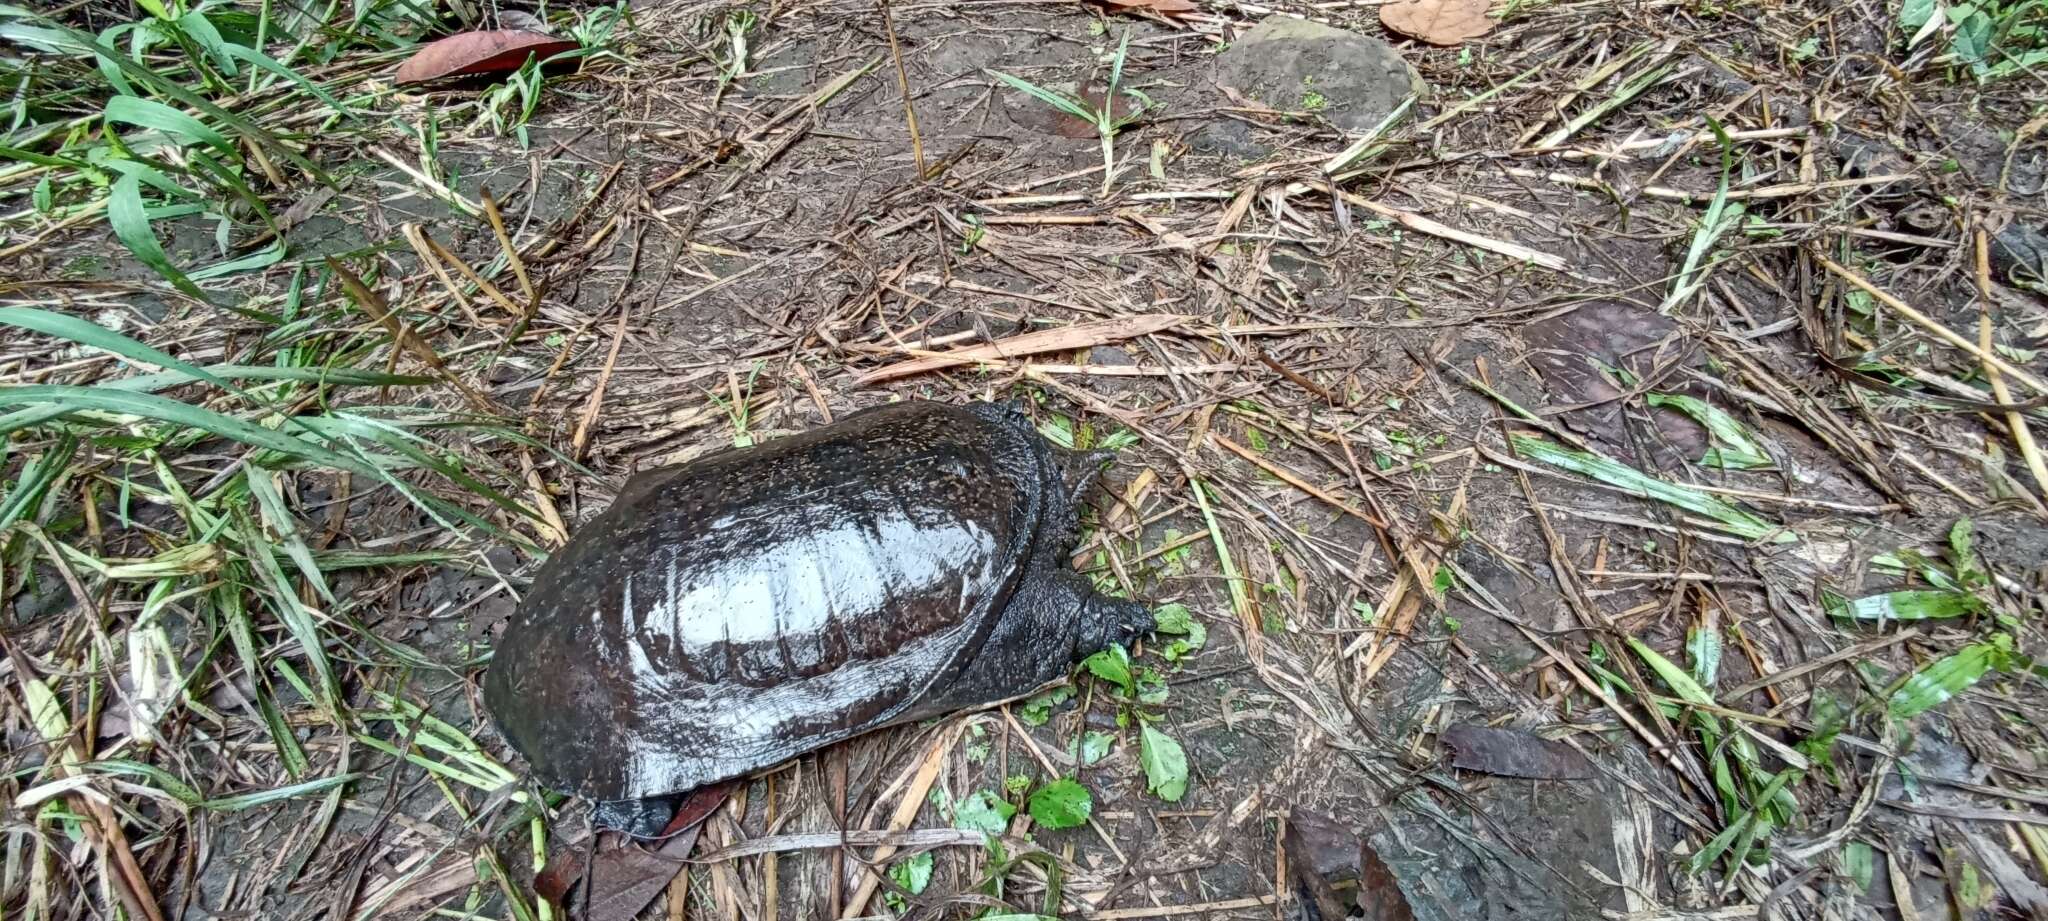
{"points": [[202, 113], [172, 503], [1106, 121]]}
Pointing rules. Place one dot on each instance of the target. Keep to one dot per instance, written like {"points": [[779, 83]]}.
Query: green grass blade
{"points": [[278, 518], [1736, 446], [1116, 68], [241, 630], [1680, 681], [1714, 223], [169, 88], [330, 560], [154, 178], [26, 498], [260, 61], [298, 621], [1635, 482], [415, 449], [261, 259], [265, 797], [1910, 604], [157, 777], [19, 155], [131, 226], [92, 335], [1938, 681], [184, 415], [46, 40], [201, 30], [150, 383], [1054, 98], [153, 115]]}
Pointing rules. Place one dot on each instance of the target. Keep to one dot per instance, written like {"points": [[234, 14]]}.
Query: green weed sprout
{"points": [[1107, 123]]}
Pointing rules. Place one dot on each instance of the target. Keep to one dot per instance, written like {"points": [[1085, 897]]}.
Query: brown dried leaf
{"points": [[624, 876], [1168, 8], [1438, 22], [1379, 892], [1315, 845], [473, 53]]}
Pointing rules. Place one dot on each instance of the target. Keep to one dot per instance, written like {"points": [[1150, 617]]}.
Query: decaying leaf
{"points": [[1510, 753], [1438, 22], [622, 876], [467, 54], [1318, 848], [1169, 8], [1379, 892]]}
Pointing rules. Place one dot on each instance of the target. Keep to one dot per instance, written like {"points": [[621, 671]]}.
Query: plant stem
{"points": [[1108, 158]]}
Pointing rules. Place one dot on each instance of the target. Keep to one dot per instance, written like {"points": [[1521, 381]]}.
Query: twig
{"points": [[1420, 224], [2021, 434], [903, 83], [1077, 336], [604, 378], [401, 335], [1989, 358], [906, 810]]}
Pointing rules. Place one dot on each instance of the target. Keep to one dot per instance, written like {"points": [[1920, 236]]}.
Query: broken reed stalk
{"points": [[2014, 419], [1931, 325], [903, 83], [497, 222], [581, 440], [906, 811]]}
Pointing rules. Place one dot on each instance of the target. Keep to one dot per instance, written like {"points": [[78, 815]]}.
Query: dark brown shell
{"points": [[734, 612]]}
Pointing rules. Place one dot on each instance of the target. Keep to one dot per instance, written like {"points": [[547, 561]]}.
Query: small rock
{"points": [[1294, 65], [1867, 156], [2020, 251]]}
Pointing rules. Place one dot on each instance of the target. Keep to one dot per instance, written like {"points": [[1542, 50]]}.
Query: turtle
{"points": [[728, 614]]}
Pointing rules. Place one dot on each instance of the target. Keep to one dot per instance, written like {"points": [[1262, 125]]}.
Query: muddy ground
{"points": [[1332, 403]]}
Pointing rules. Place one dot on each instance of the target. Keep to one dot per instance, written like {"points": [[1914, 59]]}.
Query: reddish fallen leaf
{"points": [[1438, 22], [1509, 753], [1379, 893], [468, 54], [624, 877], [1167, 8]]}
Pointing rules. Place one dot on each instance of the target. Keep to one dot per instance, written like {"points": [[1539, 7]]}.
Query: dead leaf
{"points": [[623, 876], [466, 54], [1510, 753], [1438, 22], [1379, 892], [1168, 8], [1315, 844]]}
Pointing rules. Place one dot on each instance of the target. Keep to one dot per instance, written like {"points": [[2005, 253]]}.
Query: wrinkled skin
{"points": [[729, 614]]}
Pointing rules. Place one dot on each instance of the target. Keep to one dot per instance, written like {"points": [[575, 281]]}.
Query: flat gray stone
{"points": [[1295, 65]]}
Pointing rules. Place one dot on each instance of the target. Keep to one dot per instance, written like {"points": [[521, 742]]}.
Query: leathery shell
{"points": [[731, 613]]}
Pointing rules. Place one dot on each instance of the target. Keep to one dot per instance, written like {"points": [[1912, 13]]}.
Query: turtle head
{"points": [[1107, 621]]}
